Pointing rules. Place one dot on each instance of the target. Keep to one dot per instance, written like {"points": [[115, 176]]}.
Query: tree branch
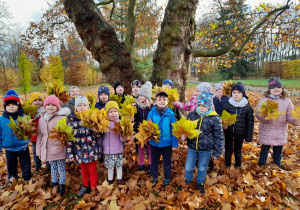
{"points": [[60, 23], [212, 53], [131, 22], [105, 2]]}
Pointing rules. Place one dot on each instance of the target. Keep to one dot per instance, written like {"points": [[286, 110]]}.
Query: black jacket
{"points": [[243, 127], [212, 136], [99, 105], [220, 103], [176, 113], [140, 116]]}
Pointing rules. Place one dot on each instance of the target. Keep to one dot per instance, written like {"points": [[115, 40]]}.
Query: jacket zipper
{"points": [[199, 130]]}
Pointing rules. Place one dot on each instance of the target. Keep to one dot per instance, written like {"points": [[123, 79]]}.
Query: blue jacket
{"points": [[7, 140], [164, 122]]}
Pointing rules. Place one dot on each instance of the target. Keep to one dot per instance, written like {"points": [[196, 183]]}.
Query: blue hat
{"points": [[205, 99], [11, 97], [103, 89], [167, 81]]}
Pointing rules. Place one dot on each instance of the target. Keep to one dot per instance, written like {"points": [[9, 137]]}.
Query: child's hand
{"points": [[70, 160], [43, 162], [1, 153], [173, 103], [174, 149], [131, 119], [225, 127], [183, 137], [95, 130]]}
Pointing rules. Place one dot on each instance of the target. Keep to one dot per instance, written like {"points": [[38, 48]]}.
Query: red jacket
{"points": [[36, 121]]}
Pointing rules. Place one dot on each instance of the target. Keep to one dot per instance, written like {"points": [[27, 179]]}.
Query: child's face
{"points": [[103, 97], [197, 92], [113, 114], [119, 90], [50, 108], [168, 86], [74, 93], [142, 99], [38, 103], [276, 91], [161, 101], [135, 89], [237, 95], [81, 107], [11, 108], [219, 92], [202, 108]]}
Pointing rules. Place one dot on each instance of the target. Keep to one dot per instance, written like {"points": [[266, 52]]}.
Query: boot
{"points": [[54, 184], [200, 186], [83, 191], [210, 165], [62, 189], [166, 182], [149, 169], [141, 167], [120, 182]]}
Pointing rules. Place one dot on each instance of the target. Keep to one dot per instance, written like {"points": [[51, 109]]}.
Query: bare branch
{"points": [[105, 2], [211, 53], [112, 11], [60, 23]]}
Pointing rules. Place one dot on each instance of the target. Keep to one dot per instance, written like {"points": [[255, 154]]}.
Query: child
{"points": [[242, 129], [144, 105], [86, 150], [74, 92], [119, 90], [164, 117], [211, 139], [274, 132], [169, 84], [135, 86], [113, 144], [219, 99], [15, 148], [103, 97], [49, 149]]}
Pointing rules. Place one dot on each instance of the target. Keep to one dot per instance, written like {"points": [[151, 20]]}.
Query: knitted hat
{"points": [[204, 87], [205, 99], [52, 100], [81, 100], [118, 83], [35, 96], [111, 104], [218, 86], [240, 87], [103, 89], [149, 84], [161, 93], [167, 81], [73, 88], [274, 82], [11, 97], [137, 83], [145, 91]]}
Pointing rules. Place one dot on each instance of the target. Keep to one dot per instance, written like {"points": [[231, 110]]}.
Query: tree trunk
{"points": [[173, 56], [101, 40]]}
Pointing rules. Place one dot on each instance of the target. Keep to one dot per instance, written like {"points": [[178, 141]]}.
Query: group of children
{"points": [[204, 106]]}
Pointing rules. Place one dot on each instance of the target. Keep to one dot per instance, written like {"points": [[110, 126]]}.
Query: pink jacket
{"points": [[112, 143], [275, 132], [46, 148], [188, 106]]}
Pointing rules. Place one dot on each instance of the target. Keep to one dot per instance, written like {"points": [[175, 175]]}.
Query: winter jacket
{"points": [[274, 132], [165, 126], [70, 105], [100, 105], [243, 127], [140, 116], [212, 135], [176, 113], [220, 103], [87, 147], [112, 143], [49, 149], [7, 140], [188, 106]]}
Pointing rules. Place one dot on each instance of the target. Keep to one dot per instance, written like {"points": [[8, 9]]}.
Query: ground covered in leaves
{"points": [[250, 187]]}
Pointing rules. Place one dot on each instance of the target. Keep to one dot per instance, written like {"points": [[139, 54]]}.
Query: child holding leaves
{"points": [[135, 86], [49, 149], [274, 132], [86, 150], [103, 97], [119, 90], [74, 92]]}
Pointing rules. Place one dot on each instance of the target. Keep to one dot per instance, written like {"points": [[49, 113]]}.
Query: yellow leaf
{"points": [[269, 110], [227, 118], [113, 206], [147, 131], [186, 127], [228, 22], [296, 113]]}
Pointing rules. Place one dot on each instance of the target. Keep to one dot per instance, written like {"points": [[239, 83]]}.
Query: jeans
{"points": [[233, 145], [156, 152], [203, 160], [277, 154]]}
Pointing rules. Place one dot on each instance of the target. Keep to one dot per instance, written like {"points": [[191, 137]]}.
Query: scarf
{"points": [[14, 115], [142, 105], [272, 96], [161, 111], [241, 103], [47, 116], [203, 114]]}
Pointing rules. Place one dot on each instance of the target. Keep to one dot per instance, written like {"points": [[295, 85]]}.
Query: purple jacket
{"points": [[274, 132], [112, 143]]}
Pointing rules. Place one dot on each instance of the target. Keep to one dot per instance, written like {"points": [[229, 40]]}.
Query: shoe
{"points": [[11, 180], [166, 182], [141, 167], [200, 186], [54, 184], [154, 181], [210, 166], [110, 182], [62, 189], [83, 191], [120, 182], [149, 169]]}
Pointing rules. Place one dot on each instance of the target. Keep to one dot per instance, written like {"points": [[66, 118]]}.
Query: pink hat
{"points": [[52, 100]]}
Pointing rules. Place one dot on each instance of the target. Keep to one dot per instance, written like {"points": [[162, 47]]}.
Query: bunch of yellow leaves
{"points": [[154, 91], [127, 110], [227, 118], [62, 132], [269, 110], [173, 96], [24, 128], [92, 100], [186, 127], [116, 98], [227, 87], [29, 109], [129, 100], [59, 91], [296, 113], [147, 131], [94, 118], [124, 127]]}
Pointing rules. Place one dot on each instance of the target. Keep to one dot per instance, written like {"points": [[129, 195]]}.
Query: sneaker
{"points": [[154, 181], [62, 189], [166, 182], [11, 180], [54, 184], [110, 182], [83, 191], [120, 182], [141, 167], [200, 186]]}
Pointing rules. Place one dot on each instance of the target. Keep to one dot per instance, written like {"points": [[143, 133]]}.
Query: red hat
{"points": [[52, 100]]}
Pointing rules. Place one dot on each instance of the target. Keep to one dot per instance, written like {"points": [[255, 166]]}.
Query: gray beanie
{"points": [[74, 87], [145, 91], [218, 86], [204, 87], [149, 84], [81, 100]]}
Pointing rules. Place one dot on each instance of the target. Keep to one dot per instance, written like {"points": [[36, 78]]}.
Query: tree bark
{"points": [[173, 56]]}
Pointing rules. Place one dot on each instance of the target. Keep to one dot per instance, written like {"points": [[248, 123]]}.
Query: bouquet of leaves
{"points": [[154, 91], [124, 127], [92, 100], [296, 113], [173, 96], [59, 91], [24, 128], [62, 132], [129, 100], [147, 131], [227, 118], [29, 109], [269, 110], [116, 98], [227, 87], [94, 118], [186, 127], [127, 110]]}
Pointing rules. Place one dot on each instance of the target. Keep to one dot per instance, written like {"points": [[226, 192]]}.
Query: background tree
{"points": [[53, 72], [25, 66]]}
